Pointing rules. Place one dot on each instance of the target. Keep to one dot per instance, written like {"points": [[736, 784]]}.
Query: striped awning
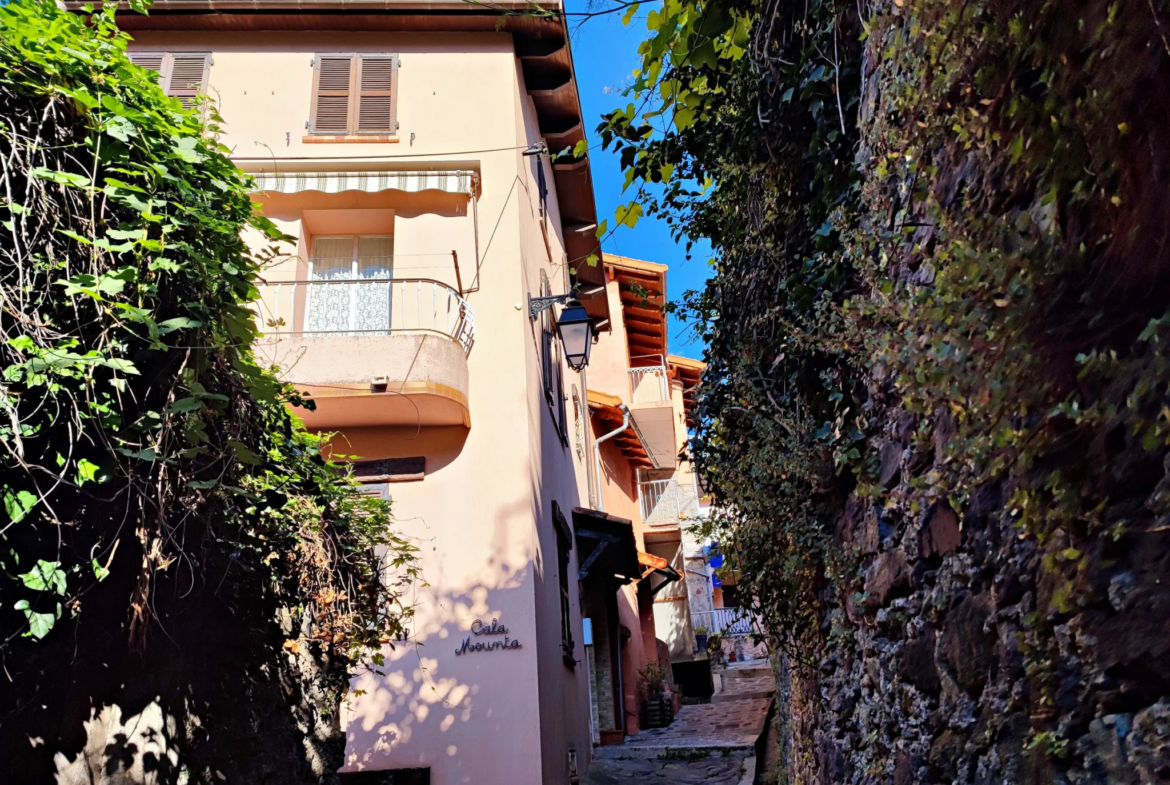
{"points": [[457, 182]]}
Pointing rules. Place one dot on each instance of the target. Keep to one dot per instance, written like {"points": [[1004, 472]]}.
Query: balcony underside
{"points": [[656, 422], [374, 380], [412, 403]]}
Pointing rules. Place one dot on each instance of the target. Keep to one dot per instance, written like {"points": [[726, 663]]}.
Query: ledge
{"points": [[349, 139]]}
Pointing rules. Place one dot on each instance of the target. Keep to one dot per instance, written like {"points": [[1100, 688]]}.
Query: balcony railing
{"points": [[649, 384], [365, 306], [725, 621], [665, 501]]}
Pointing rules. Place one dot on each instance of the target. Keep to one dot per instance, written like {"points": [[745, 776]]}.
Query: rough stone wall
{"points": [[934, 685], [956, 656]]}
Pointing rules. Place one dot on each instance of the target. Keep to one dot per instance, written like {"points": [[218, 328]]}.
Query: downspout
{"points": [[587, 433], [600, 507]]}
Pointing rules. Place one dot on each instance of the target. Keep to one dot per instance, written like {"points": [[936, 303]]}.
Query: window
{"points": [[564, 545], [180, 74], [551, 367], [731, 598], [350, 287], [354, 94]]}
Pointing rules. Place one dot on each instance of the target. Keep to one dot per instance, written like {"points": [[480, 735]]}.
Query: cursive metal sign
{"points": [[478, 628]]}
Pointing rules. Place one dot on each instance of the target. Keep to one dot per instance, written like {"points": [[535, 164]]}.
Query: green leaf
{"points": [[39, 624], [22, 343], [117, 364], [99, 286], [100, 572], [184, 148], [178, 323], [142, 455], [121, 129], [18, 504], [602, 228], [628, 214], [202, 485], [86, 471], [629, 14], [64, 178], [185, 405], [45, 576], [243, 453], [72, 235]]}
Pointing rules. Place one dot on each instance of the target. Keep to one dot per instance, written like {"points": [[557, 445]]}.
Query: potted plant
{"points": [[657, 708], [701, 634], [715, 648]]}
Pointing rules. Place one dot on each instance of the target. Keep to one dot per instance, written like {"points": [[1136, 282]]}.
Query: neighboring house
{"points": [[412, 149], [646, 480], [718, 608]]}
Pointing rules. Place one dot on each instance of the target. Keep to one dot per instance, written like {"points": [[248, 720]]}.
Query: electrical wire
{"points": [[276, 159]]}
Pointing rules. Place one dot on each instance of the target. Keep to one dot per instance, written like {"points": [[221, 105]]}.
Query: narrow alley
{"points": [[713, 743]]}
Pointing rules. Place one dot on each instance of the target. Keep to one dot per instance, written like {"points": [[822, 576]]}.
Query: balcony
{"points": [[727, 621], [666, 504], [653, 411], [370, 351]]}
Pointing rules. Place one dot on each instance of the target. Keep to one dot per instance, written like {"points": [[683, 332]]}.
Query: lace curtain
{"points": [[351, 304]]}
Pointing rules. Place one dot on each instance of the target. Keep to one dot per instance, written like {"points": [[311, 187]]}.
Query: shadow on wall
{"points": [[412, 695], [672, 623], [213, 690], [439, 445], [471, 650]]}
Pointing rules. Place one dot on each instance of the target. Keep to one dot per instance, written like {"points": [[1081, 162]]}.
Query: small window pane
{"points": [[330, 307]]}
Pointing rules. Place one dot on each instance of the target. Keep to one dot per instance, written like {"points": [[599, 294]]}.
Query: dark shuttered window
{"points": [[354, 94], [180, 74]]}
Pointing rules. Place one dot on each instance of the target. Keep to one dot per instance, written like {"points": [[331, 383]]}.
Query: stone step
{"points": [[748, 672]]}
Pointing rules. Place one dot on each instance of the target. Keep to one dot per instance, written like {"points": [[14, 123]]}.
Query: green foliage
{"points": [[968, 236], [753, 156], [134, 415]]}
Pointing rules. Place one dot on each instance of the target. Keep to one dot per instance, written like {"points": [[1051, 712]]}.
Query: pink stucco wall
{"points": [[482, 517]]}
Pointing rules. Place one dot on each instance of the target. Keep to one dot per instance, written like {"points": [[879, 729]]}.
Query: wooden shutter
{"points": [[377, 80], [180, 74], [188, 77], [151, 61], [332, 87]]}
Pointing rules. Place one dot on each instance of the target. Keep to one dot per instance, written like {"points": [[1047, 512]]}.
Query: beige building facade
{"points": [[412, 153]]}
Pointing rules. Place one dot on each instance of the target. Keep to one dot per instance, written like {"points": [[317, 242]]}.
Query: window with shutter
{"points": [[180, 74], [354, 94], [188, 77], [331, 104], [151, 61]]}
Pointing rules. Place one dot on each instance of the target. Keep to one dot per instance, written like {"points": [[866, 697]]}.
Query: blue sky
{"points": [[605, 53]]}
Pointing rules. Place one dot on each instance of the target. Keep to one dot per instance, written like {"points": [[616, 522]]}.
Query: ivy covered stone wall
{"points": [[1004, 615], [934, 414]]}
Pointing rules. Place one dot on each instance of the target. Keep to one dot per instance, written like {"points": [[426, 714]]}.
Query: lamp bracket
{"points": [[538, 305]]}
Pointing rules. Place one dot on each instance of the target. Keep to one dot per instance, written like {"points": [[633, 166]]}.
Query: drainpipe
{"points": [[587, 432], [597, 452]]}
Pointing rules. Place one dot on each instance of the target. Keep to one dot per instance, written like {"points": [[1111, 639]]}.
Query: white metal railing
{"points": [[649, 384], [365, 306], [724, 621], [666, 501]]}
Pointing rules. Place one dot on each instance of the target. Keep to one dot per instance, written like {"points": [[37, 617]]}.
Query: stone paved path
{"points": [[734, 724], [716, 769], [707, 743]]}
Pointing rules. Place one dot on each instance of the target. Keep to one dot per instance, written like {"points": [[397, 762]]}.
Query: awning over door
{"points": [[657, 566], [607, 546], [454, 182]]}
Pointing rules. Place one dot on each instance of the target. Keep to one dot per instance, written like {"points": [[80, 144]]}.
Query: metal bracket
{"points": [[538, 305]]}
